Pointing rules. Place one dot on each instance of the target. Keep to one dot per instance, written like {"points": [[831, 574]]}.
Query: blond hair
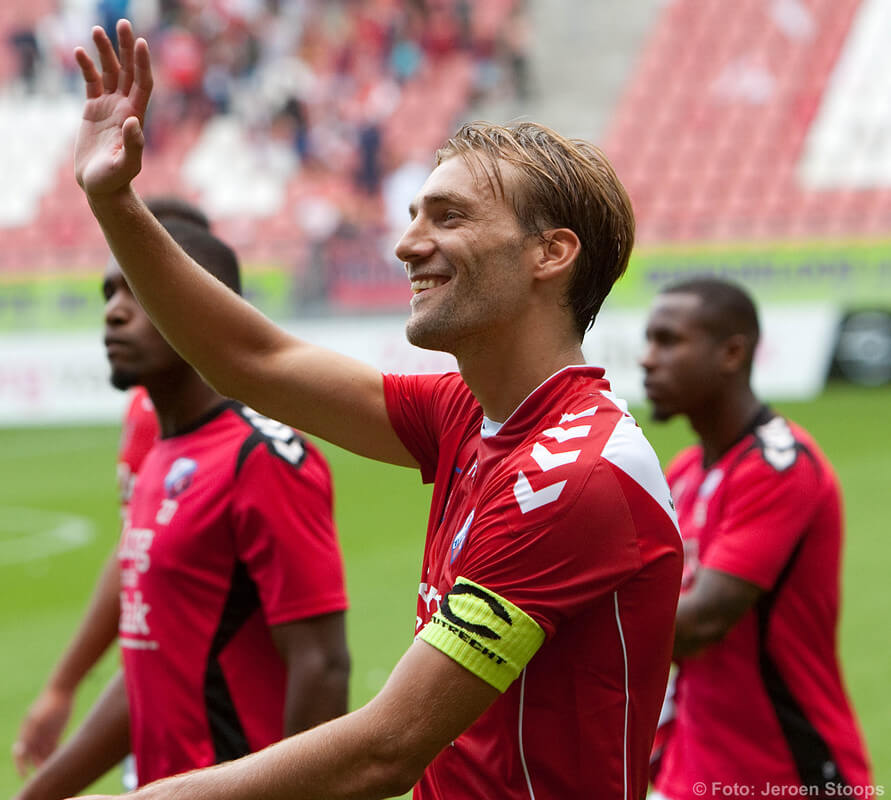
{"points": [[563, 183]]}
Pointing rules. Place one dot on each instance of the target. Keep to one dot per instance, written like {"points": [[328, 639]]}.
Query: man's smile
{"points": [[421, 284]]}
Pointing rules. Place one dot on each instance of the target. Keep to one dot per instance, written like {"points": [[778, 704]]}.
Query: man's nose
{"points": [[115, 311], [645, 359], [415, 243]]}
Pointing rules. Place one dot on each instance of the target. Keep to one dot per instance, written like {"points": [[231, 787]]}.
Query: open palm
{"points": [[108, 153]]}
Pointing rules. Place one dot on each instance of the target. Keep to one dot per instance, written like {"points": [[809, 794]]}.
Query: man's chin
{"points": [[427, 337], [660, 414], [123, 380]]}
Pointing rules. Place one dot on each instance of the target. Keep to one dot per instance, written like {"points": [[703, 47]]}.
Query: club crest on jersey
{"points": [[179, 478], [461, 537]]}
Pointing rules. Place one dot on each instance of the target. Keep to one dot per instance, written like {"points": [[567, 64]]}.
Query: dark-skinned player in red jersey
{"points": [[759, 698], [47, 716], [232, 600]]}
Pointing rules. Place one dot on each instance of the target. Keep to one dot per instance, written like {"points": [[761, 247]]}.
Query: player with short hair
{"points": [[48, 715], [759, 699], [552, 562], [230, 577]]}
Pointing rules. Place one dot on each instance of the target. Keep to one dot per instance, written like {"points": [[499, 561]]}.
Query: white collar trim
{"points": [[491, 428]]}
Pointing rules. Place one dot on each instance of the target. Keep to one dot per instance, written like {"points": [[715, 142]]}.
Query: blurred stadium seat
{"points": [[711, 130]]}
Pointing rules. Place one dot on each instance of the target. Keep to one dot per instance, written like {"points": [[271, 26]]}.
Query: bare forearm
{"points": [[335, 761], [237, 350], [709, 609], [240, 352], [692, 633], [100, 742], [317, 699], [318, 662], [48, 715], [378, 751]]}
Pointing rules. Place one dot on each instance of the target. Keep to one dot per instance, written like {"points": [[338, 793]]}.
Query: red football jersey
{"points": [[764, 708], [229, 531], [139, 431], [562, 512]]}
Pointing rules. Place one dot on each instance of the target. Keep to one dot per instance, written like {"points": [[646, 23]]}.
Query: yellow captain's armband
{"points": [[484, 633]]}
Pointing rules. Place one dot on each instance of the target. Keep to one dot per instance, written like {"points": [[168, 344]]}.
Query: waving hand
{"points": [[108, 153]]}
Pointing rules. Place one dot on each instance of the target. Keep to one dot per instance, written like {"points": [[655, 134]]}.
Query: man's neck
{"points": [[724, 423], [179, 404], [501, 384]]}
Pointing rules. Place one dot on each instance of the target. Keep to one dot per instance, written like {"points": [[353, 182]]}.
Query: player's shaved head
{"points": [[170, 206], [725, 309]]}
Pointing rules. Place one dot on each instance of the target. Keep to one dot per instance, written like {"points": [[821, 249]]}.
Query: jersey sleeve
{"points": [[522, 575], [680, 464], [764, 514], [139, 432], [552, 561], [420, 408], [285, 533]]}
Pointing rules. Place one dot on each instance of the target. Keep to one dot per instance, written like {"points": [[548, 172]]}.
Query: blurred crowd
{"points": [[321, 79]]}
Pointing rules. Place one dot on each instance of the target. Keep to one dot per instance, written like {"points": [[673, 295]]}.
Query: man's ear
{"points": [[735, 352], [558, 250]]}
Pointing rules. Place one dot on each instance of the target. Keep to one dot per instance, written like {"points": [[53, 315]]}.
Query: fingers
{"points": [[128, 72], [125, 54], [25, 758], [142, 77], [92, 78], [107, 58], [19, 756]]}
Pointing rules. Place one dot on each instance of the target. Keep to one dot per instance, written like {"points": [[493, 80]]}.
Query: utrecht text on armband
{"points": [[465, 637]]}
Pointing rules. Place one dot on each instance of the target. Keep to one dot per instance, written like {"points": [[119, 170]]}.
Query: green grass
{"points": [[382, 517]]}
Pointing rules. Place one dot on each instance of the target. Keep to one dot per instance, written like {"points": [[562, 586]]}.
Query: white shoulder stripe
{"points": [[628, 449], [565, 434]]}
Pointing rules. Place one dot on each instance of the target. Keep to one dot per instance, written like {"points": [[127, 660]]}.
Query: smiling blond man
{"points": [[552, 562]]}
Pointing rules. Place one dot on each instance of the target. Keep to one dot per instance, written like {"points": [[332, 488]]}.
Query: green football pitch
{"points": [[58, 522]]}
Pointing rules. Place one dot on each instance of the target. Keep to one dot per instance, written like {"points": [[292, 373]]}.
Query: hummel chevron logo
{"points": [[548, 460], [529, 499], [568, 417], [565, 434]]}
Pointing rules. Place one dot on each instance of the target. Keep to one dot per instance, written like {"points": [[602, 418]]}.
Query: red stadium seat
{"points": [[721, 102]]}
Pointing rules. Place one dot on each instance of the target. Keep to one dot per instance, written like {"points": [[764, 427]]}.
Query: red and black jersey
{"points": [[229, 532], [766, 705], [563, 512]]}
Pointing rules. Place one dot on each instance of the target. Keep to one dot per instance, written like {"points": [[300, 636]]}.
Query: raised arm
{"points": [[237, 350], [46, 718]]}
